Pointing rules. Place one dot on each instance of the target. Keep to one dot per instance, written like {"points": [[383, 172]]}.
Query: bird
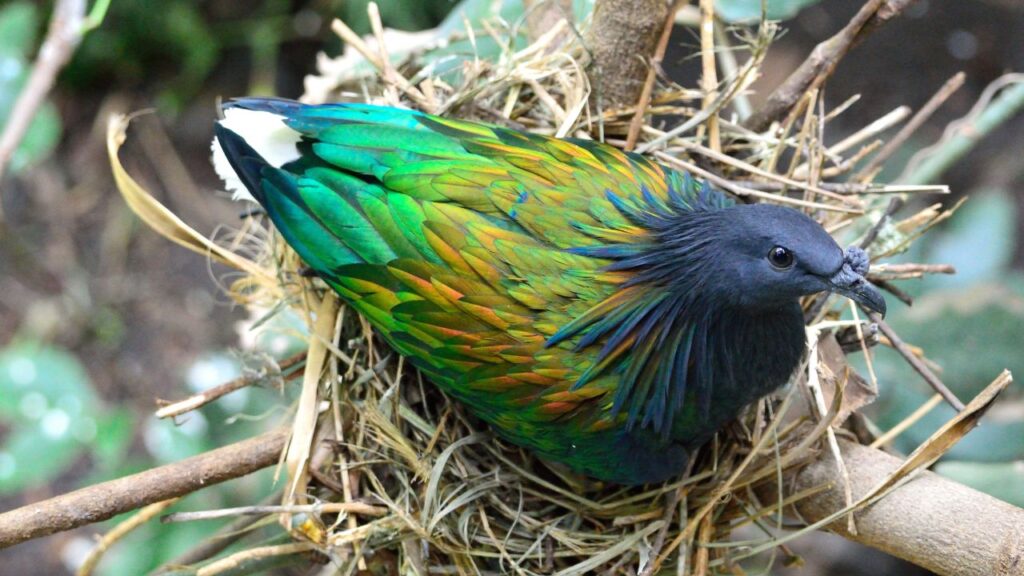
{"points": [[591, 305]]}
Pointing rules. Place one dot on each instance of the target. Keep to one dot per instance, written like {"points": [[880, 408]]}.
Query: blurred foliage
{"points": [[750, 10], [49, 405], [972, 325], [398, 14], [139, 42], [19, 27], [53, 419]]}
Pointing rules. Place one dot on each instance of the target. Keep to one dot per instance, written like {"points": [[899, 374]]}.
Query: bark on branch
{"points": [[622, 37], [102, 501], [930, 521], [823, 60]]}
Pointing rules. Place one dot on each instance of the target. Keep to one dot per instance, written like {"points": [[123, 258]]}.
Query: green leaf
{"points": [[54, 416], [41, 138], [750, 10], [18, 24], [113, 437], [168, 441], [35, 378], [35, 454]]}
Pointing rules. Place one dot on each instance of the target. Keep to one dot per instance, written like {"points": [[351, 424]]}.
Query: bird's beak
{"points": [[850, 282], [856, 288]]}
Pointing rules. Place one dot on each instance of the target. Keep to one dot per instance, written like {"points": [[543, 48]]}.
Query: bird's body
{"points": [[593, 306]]}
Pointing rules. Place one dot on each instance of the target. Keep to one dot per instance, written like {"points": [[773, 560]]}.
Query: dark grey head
{"points": [[771, 255]]}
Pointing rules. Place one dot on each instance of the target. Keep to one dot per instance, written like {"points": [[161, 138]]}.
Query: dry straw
{"points": [[382, 471]]}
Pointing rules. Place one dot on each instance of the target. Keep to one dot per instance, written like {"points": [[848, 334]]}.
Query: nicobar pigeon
{"points": [[591, 305]]}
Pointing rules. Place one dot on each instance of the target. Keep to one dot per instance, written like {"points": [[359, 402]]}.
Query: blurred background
{"points": [[99, 317]]}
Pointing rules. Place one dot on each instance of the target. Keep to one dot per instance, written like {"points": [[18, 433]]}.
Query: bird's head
{"points": [[770, 255]]}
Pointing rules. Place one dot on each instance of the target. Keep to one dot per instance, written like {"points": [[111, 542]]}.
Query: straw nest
{"points": [[383, 471]]}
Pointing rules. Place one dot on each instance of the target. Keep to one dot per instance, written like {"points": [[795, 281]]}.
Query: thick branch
{"points": [[823, 60], [933, 522], [102, 501], [622, 39]]}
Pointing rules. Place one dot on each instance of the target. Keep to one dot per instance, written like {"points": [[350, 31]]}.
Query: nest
{"points": [[384, 472]]}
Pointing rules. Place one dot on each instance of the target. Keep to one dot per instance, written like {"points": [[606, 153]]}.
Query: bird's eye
{"points": [[780, 257]]}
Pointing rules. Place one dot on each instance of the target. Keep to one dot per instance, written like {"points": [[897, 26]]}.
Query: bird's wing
{"points": [[481, 253]]}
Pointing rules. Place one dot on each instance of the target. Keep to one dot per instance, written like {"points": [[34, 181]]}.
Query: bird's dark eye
{"points": [[780, 258]]}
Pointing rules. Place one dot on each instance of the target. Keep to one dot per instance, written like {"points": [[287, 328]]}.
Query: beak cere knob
{"points": [[857, 259], [850, 281]]}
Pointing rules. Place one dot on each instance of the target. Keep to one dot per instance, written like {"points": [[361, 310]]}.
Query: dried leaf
{"points": [[162, 220]]}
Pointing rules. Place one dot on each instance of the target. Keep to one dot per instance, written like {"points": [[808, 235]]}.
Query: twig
{"points": [[709, 76], [207, 396], [880, 125], [725, 159], [108, 499], [909, 421], [938, 99], [823, 60], [652, 73], [916, 363], [911, 270], [964, 134], [323, 508], [743, 191], [241, 558], [894, 206], [216, 543], [671, 503], [67, 26], [894, 290], [120, 531], [388, 72], [853, 188]]}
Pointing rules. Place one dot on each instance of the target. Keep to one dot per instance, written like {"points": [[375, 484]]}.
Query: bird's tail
{"points": [[318, 172]]}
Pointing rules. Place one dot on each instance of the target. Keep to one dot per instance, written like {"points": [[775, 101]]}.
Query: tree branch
{"points": [[823, 60], [108, 499], [933, 522], [67, 26], [622, 37]]}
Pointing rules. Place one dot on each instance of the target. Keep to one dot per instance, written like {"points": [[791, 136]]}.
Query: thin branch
{"points": [[709, 77], [322, 508], [961, 136], [823, 60], [652, 72], [206, 396], [108, 499], [218, 542], [119, 532], [67, 26], [246, 560], [920, 367], [938, 99]]}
